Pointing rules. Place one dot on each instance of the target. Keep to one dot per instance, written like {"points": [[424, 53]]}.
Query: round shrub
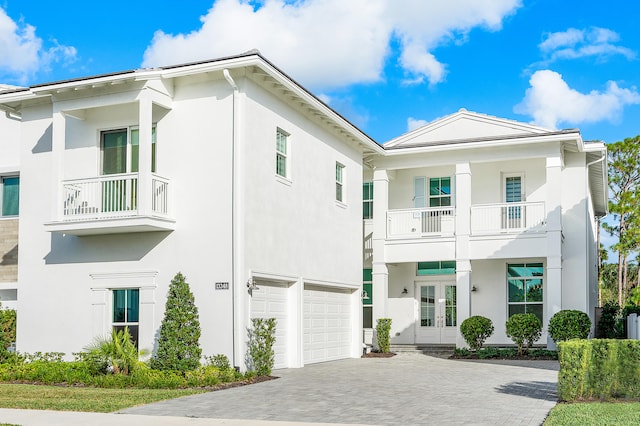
{"points": [[569, 324], [476, 330], [524, 330]]}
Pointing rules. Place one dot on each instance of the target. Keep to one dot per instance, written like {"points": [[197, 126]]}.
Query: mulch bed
{"points": [[522, 357], [378, 355]]}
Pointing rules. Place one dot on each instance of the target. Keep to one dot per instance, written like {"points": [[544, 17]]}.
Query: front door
{"points": [[437, 315]]}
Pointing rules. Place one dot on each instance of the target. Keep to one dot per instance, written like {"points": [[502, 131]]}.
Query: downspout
{"points": [[234, 277]]}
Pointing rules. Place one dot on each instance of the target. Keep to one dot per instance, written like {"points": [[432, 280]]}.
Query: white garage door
{"points": [[269, 300], [326, 324]]}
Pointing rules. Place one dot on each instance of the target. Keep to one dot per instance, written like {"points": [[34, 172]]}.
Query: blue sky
{"points": [[387, 65]]}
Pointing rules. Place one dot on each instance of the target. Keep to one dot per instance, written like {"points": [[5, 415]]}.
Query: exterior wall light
{"points": [[405, 291], [251, 284]]}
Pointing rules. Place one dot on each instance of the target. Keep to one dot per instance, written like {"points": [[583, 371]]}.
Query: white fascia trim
{"points": [[569, 137]]}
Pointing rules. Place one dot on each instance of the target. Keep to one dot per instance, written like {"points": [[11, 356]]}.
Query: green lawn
{"points": [[63, 398], [595, 413]]}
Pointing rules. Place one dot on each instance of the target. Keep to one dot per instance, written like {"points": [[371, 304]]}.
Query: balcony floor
{"points": [[119, 225]]}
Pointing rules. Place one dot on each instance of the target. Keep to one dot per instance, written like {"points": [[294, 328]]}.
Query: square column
{"points": [[463, 231], [380, 272], [553, 296], [144, 157], [58, 135]]}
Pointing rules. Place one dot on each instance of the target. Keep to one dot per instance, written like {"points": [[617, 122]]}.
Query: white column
{"points": [[57, 152], [380, 279], [144, 161], [463, 230], [553, 293]]}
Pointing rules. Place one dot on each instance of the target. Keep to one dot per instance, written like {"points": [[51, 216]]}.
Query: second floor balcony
{"points": [[116, 203], [486, 219]]}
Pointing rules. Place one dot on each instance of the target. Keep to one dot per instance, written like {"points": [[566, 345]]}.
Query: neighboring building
{"points": [[226, 170], [477, 215], [9, 204]]}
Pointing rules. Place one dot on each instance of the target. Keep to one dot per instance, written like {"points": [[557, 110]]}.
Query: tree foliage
{"points": [[178, 344], [624, 204]]}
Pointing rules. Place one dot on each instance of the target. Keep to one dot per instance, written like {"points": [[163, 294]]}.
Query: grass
{"points": [[63, 398], [595, 413]]}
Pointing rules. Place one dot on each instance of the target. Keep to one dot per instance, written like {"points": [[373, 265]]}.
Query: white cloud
{"points": [[551, 101], [332, 43], [22, 50], [414, 123], [574, 43]]}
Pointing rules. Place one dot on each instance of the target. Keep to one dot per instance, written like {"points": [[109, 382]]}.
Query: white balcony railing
{"points": [[111, 196], [507, 217], [412, 223]]}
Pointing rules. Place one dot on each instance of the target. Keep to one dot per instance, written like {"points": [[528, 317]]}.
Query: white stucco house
{"points": [[233, 174], [477, 215], [227, 171]]}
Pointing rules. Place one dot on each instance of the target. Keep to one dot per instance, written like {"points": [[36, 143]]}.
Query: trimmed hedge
{"points": [[599, 369], [476, 330], [383, 333], [80, 373], [569, 324]]}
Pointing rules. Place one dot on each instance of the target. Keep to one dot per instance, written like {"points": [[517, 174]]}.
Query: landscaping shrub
{"points": [[599, 369], [262, 336], [7, 332], [524, 330], [476, 330], [610, 325], [383, 334], [117, 354], [178, 344], [569, 324]]}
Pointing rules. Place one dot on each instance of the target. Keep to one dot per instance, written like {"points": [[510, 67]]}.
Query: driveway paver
{"points": [[406, 389]]}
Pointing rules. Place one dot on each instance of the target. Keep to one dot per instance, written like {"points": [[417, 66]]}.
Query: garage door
{"points": [[326, 324], [269, 300]]}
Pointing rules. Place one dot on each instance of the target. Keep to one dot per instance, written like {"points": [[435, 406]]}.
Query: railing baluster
{"points": [[110, 196]]}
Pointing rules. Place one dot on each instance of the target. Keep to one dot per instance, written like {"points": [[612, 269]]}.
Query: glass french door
{"points": [[437, 314]]}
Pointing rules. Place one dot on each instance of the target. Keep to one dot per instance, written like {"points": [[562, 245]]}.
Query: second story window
{"points": [[120, 150], [9, 196], [282, 154], [440, 192], [339, 182], [367, 200]]}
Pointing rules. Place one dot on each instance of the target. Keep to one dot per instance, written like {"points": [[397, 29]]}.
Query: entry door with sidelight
{"points": [[437, 314]]}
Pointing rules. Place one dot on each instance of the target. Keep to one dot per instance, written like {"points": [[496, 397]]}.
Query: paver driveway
{"points": [[405, 389]]}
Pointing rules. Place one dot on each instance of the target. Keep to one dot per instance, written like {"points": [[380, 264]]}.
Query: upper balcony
{"points": [[112, 204], [486, 219]]}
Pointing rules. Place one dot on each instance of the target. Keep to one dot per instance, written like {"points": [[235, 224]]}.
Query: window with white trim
{"points": [[525, 288], [126, 311], [440, 192], [367, 298], [9, 196], [120, 150], [282, 153], [340, 178], [367, 200]]}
